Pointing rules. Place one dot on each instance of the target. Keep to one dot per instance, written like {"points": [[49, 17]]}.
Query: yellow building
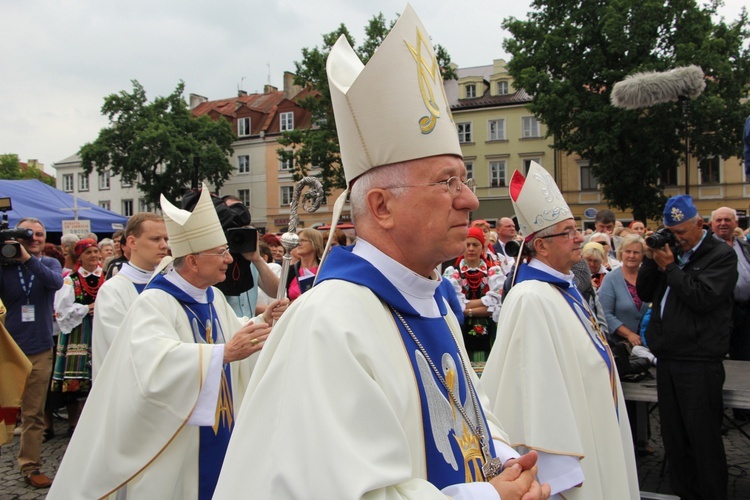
{"points": [[714, 183], [497, 132]]}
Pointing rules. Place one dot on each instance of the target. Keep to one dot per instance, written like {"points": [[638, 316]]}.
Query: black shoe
{"points": [[48, 434]]}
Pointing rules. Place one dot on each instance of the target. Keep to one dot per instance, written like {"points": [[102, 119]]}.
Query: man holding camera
{"points": [[27, 288], [691, 287]]}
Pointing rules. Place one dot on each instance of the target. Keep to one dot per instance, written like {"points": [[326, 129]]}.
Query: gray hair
{"points": [[388, 176], [547, 231], [106, 242], [69, 239], [33, 220], [602, 235]]}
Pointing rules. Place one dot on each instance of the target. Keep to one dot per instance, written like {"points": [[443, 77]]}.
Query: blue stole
{"points": [[139, 287], [452, 451], [579, 306], [213, 440]]}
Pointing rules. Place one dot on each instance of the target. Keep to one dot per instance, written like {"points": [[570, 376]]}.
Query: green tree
{"points": [[10, 169], [319, 146], [160, 145], [570, 53]]}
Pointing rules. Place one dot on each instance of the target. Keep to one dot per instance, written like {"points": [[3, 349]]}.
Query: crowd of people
{"points": [[185, 377]]}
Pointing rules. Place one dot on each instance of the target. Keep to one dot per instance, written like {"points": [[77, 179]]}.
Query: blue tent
{"points": [[33, 198]]}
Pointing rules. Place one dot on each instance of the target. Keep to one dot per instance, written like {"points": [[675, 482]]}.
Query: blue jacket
{"points": [[32, 337], [618, 304]]}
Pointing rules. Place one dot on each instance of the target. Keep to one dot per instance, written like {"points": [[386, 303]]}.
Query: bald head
{"points": [[506, 230], [723, 223]]}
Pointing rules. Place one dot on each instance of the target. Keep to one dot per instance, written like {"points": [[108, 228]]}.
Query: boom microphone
{"points": [[641, 90]]}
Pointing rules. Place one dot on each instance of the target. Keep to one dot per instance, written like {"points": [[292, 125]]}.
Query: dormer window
{"points": [[471, 91], [243, 127], [502, 87]]}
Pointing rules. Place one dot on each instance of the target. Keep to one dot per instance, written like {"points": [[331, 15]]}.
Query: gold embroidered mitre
{"points": [[395, 108], [537, 200], [196, 231]]}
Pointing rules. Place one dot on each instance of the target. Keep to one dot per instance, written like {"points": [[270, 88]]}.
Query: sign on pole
{"points": [[78, 227]]}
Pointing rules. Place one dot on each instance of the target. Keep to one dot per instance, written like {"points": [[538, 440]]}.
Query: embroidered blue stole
{"points": [[452, 450], [213, 439], [579, 306]]}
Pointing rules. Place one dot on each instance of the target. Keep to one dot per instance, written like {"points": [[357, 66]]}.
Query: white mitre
{"points": [[395, 108], [537, 200], [196, 231]]}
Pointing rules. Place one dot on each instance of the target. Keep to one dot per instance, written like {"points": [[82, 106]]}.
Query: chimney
{"points": [[241, 93], [267, 89], [196, 100], [290, 89]]}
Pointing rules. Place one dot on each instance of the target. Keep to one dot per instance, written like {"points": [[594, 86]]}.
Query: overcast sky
{"points": [[59, 59]]}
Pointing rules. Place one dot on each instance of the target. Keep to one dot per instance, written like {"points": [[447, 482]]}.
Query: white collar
{"points": [[416, 289], [538, 264], [135, 274], [85, 274], [199, 294]]}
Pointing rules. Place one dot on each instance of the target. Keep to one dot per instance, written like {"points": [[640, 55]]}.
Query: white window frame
{"points": [[104, 180], [464, 132], [503, 88], [68, 183], [531, 128], [471, 90], [127, 207], [244, 196], [285, 195], [143, 206], [125, 184], [243, 164], [105, 204], [286, 121], [285, 165], [83, 182], [498, 134], [498, 173], [243, 126], [469, 169]]}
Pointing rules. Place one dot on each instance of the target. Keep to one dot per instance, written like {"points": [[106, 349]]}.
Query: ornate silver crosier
{"points": [[289, 240]]}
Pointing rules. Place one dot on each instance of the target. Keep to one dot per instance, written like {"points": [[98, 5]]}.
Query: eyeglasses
{"points": [[454, 185], [222, 254], [302, 240], [602, 243], [569, 234]]}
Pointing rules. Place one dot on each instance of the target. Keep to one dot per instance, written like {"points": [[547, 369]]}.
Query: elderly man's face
{"points": [[212, 266], [507, 230], [563, 250], [431, 223], [688, 233], [724, 223]]}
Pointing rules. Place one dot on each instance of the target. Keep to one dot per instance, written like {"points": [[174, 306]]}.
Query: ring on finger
{"points": [[255, 341]]}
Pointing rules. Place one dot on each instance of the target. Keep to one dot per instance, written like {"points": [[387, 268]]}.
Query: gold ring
{"points": [[255, 341]]}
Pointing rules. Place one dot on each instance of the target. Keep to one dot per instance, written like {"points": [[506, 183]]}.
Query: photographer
{"points": [[27, 288], [691, 286], [248, 271]]}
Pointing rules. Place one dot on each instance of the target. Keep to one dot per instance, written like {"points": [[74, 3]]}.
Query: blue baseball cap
{"points": [[679, 209]]}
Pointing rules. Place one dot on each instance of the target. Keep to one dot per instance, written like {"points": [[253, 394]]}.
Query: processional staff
{"points": [[290, 240]]}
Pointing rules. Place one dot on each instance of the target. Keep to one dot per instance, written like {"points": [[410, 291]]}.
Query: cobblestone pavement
{"points": [[12, 486]]}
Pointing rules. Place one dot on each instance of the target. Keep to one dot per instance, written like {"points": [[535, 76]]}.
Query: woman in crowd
{"points": [[308, 253], [638, 227], [274, 243], [488, 253], [478, 286], [593, 254], [605, 241], [74, 309], [623, 307]]}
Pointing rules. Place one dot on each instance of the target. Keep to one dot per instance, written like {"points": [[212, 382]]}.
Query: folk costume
{"points": [[115, 298], [551, 376], [71, 373], [364, 388], [159, 416]]}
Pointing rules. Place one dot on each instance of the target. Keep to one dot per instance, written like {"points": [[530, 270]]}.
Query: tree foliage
{"points": [[570, 53], [10, 169], [160, 146], [319, 146]]}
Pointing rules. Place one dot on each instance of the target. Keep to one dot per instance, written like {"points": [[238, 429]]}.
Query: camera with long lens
{"points": [[661, 238], [10, 249]]}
